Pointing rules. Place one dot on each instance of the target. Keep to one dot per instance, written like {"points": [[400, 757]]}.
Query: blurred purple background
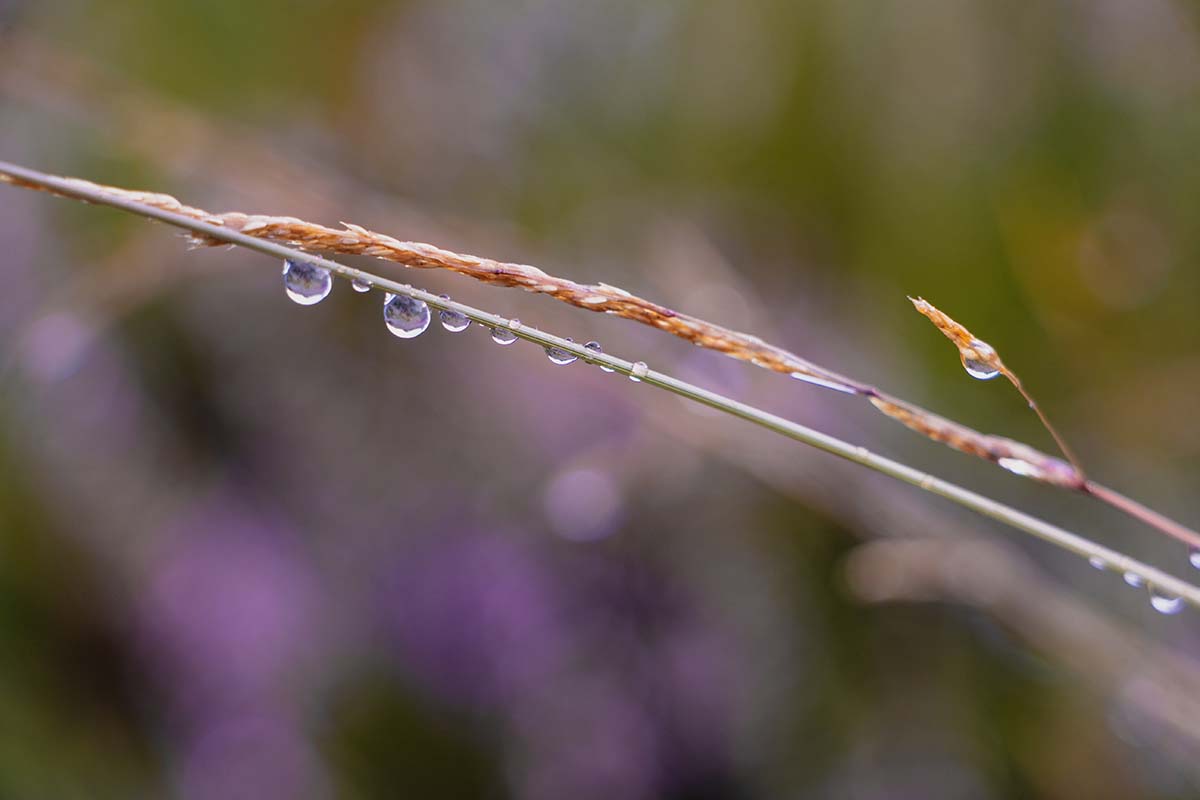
{"points": [[253, 549]]}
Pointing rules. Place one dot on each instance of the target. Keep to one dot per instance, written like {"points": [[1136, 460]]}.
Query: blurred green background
{"points": [[249, 549]]}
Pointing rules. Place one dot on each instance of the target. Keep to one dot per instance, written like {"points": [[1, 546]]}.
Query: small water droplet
{"points": [[503, 336], [595, 348], [405, 316], [980, 369], [639, 371], [360, 286], [1164, 603], [306, 283], [1019, 466], [1133, 579], [561, 357], [1194, 557], [828, 384], [514, 323], [452, 320], [1097, 562]]}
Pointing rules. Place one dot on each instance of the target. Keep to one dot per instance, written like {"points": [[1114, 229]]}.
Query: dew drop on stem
{"points": [[1164, 603], [305, 283], [595, 348], [1133, 579], [453, 321], [360, 286], [639, 371], [980, 363], [405, 316], [1097, 562], [1194, 557], [503, 336], [561, 357]]}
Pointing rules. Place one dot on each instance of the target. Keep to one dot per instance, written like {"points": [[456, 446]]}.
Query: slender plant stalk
{"points": [[356, 240], [214, 231]]}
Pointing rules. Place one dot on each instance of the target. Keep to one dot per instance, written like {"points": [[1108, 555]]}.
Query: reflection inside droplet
{"points": [[360, 286], [595, 348], [1164, 603], [453, 321], [405, 316], [561, 357], [503, 336], [306, 283]]}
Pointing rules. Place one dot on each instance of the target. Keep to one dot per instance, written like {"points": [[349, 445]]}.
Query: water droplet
{"points": [[1097, 562], [1165, 603], [1133, 579], [452, 320], [360, 286], [828, 384], [980, 364], [1194, 557], [306, 283], [1019, 466], [405, 316], [503, 336], [639, 371], [595, 348], [561, 357]]}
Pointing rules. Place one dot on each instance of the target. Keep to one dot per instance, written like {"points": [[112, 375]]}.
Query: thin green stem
{"points": [[1012, 517]]}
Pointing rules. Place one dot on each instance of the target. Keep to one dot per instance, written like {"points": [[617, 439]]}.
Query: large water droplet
{"points": [[1133, 579], [980, 368], [561, 357], [639, 371], [1097, 562], [306, 283], [595, 348], [1194, 557], [452, 320], [503, 336], [405, 316], [1164, 603], [360, 286]]}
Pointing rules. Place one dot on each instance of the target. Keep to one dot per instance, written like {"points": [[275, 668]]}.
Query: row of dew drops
{"points": [[408, 317], [1161, 602]]}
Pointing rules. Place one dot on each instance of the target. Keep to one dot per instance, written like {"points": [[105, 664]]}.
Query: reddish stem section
{"points": [[1140, 512]]}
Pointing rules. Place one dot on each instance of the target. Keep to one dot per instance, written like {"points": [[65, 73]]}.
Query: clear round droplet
{"points": [[1194, 557], [1133, 579], [452, 320], [503, 336], [405, 316], [639, 371], [305, 283], [1164, 603], [360, 286], [595, 348], [1097, 562], [979, 370], [561, 357]]}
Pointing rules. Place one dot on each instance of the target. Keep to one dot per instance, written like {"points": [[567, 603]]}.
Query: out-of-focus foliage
{"points": [[249, 549]]}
